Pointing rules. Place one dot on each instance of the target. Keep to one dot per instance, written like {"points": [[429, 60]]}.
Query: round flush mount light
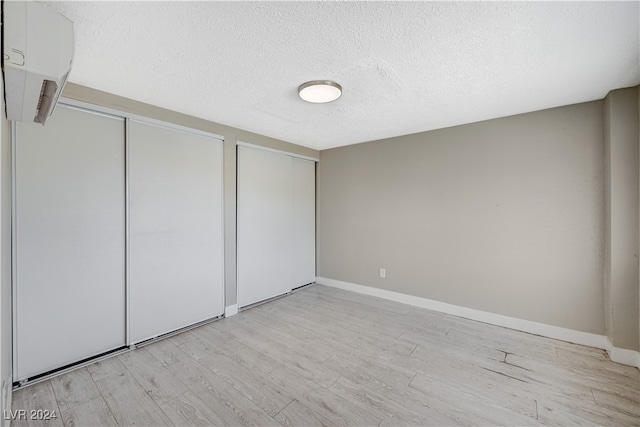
{"points": [[320, 91]]}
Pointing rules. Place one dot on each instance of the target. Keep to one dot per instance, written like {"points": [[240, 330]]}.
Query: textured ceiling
{"points": [[405, 67]]}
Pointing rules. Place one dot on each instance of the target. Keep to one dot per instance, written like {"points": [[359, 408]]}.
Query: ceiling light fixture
{"points": [[320, 91]]}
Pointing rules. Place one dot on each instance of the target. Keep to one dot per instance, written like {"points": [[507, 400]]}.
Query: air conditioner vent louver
{"points": [[49, 89]]}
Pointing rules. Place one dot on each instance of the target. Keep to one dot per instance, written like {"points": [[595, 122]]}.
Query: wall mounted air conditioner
{"points": [[37, 57]]}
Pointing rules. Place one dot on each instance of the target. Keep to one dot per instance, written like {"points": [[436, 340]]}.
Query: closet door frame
{"points": [[104, 111], [272, 150], [303, 268]]}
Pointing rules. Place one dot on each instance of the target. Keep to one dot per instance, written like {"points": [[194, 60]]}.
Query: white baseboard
{"points": [[626, 357], [231, 310], [622, 355]]}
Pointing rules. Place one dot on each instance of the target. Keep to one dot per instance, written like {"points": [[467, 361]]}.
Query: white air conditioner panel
{"points": [[38, 53]]}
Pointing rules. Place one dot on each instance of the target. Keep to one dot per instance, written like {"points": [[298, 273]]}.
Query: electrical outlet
{"points": [[383, 272]]}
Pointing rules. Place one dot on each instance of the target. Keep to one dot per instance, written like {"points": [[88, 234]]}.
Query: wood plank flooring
{"points": [[323, 356]]}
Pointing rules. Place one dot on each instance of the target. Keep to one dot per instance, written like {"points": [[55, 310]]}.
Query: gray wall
{"points": [[5, 254], [505, 216], [231, 137], [621, 281]]}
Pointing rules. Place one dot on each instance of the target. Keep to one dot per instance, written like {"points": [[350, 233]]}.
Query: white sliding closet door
{"points": [[264, 225], [69, 287], [303, 252], [276, 224], [176, 260]]}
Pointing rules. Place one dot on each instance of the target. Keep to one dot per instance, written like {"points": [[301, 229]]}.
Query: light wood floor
{"points": [[323, 356]]}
